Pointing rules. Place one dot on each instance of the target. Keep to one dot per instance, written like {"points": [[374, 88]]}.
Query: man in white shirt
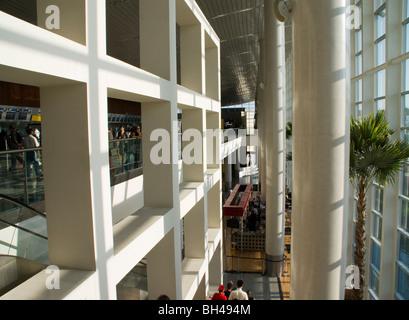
{"points": [[238, 294], [32, 157]]}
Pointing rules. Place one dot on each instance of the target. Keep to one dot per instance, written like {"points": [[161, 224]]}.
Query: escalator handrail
{"points": [[8, 152], [23, 205], [23, 229]]}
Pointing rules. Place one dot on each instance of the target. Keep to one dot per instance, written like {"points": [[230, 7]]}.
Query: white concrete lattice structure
{"points": [[98, 233]]}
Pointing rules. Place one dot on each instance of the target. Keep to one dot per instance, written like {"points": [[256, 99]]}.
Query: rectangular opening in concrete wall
{"points": [[125, 139], [58, 16], [19, 110], [155, 37], [190, 71], [138, 34], [134, 286], [123, 31], [212, 68]]}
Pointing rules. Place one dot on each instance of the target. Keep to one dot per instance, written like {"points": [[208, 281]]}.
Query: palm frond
{"points": [[373, 155]]}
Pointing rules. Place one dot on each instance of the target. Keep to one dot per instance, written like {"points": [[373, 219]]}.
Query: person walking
{"points": [[32, 157], [238, 294], [13, 144], [219, 295]]}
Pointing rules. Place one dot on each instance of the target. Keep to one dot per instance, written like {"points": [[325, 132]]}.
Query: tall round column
{"points": [[274, 140], [320, 149], [261, 127]]}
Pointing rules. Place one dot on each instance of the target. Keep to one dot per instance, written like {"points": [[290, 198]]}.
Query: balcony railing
{"points": [[125, 159], [21, 175]]}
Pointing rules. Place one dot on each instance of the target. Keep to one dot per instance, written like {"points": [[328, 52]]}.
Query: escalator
{"points": [[23, 243]]}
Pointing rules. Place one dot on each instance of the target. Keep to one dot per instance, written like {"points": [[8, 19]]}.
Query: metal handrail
{"points": [[19, 151], [27, 207], [22, 228], [10, 199], [24, 151]]}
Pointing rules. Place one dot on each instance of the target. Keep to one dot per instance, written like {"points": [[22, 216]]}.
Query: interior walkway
{"points": [[250, 271]]}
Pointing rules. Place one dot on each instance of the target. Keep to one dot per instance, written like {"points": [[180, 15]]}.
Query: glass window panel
{"points": [[380, 105], [403, 283], [380, 82], [378, 199], [374, 281], [405, 9], [378, 3], [405, 135], [380, 52], [380, 24], [358, 40], [405, 110], [406, 38], [375, 256], [405, 79], [377, 226], [404, 218], [358, 110], [404, 249], [405, 180], [358, 65], [358, 91]]}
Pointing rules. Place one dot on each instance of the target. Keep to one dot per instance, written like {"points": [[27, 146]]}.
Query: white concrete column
{"points": [[67, 180], [162, 275], [261, 126], [157, 154], [194, 145], [274, 141], [195, 237], [213, 139], [320, 149]]}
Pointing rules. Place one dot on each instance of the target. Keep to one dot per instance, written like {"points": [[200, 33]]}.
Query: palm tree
{"points": [[373, 157]]}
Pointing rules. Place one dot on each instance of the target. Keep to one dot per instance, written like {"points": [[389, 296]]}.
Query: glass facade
{"points": [[402, 263], [376, 241], [380, 81]]}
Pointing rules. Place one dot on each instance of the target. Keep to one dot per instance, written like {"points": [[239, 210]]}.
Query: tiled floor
{"points": [[261, 287]]}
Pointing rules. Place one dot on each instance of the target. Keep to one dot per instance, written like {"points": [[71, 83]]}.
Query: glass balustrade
{"points": [[21, 175], [23, 231], [125, 159]]}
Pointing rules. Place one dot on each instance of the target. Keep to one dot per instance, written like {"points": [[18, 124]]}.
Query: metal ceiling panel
{"points": [[239, 25]]}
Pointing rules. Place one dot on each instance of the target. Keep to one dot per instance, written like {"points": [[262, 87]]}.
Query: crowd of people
{"points": [[256, 216], [14, 140], [231, 292], [125, 154]]}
